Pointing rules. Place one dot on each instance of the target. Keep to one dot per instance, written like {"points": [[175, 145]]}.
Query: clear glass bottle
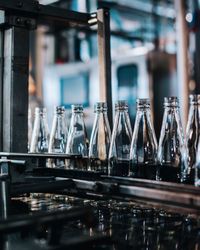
{"points": [[119, 152], [77, 142], [40, 137], [58, 136], [172, 153], [197, 167], [192, 133], [30, 129], [100, 140], [143, 153]]}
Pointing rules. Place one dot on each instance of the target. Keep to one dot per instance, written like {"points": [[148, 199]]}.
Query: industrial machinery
{"points": [[49, 208]]}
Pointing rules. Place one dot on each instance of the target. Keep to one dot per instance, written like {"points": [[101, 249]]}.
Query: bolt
{"points": [[18, 20]]}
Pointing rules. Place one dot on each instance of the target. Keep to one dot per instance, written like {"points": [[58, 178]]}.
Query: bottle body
{"points": [[143, 155], [121, 141], [30, 129], [40, 137], [77, 142], [58, 136], [192, 134], [171, 149], [197, 168], [100, 140]]}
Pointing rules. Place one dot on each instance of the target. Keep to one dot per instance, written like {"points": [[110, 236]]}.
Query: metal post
{"points": [[105, 86], [182, 59], [1, 86], [4, 196], [15, 90], [196, 59]]}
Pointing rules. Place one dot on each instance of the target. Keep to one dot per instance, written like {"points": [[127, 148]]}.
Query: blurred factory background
{"points": [[144, 50]]}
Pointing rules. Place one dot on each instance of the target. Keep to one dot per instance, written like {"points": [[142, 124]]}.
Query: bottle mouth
{"points": [[59, 109], [143, 103], [194, 99], [100, 107], [171, 101], [121, 105], [78, 108]]}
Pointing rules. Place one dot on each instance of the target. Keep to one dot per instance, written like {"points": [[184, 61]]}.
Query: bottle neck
{"points": [[143, 109], [77, 118], [121, 110], [59, 116], [101, 113], [171, 109], [77, 115]]}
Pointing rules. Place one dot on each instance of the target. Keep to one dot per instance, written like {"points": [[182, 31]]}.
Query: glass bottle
{"points": [[77, 142], [100, 140], [193, 132], [172, 152], [30, 129], [58, 136], [197, 167], [143, 153], [119, 152], [40, 137]]}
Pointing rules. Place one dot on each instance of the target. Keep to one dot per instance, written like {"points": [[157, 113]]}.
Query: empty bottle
{"points": [[197, 167], [100, 140], [77, 142], [172, 152], [119, 152], [30, 128], [192, 133], [40, 137], [143, 153], [58, 136]]}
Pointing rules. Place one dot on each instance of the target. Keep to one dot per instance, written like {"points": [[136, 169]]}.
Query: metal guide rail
{"points": [[49, 208], [26, 176]]}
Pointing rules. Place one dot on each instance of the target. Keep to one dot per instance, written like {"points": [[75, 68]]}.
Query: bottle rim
{"points": [[121, 105], [194, 99], [171, 101], [100, 107], [143, 103], [77, 108], [59, 110]]}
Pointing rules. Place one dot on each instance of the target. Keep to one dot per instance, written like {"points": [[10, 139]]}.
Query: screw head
{"points": [[18, 20]]}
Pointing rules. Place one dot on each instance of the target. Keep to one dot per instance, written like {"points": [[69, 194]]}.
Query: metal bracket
{"points": [[14, 169], [19, 21], [4, 197]]}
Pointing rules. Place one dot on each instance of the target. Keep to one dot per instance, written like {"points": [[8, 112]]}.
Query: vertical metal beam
{"points": [[105, 86], [15, 90], [1, 87], [4, 196], [194, 6], [182, 58]]}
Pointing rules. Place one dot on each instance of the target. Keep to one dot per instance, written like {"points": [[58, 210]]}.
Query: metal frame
{"points": [[26, 177], [17, 18], [103, 32]]}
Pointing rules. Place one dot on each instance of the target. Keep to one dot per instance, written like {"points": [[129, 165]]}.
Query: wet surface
{"points": [[129, 225]]}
